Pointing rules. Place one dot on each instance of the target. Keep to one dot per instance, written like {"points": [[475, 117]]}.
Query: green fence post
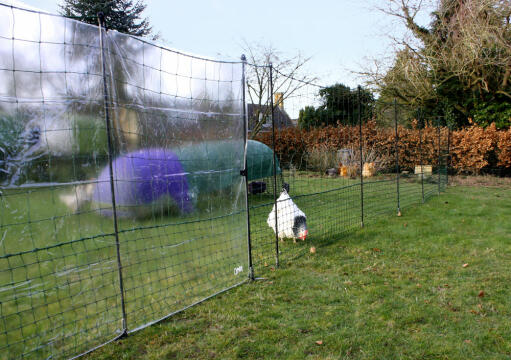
{"points": [[439, 155], [101, 22], [421, 124], [244, 172], [397, 159], [274, 169], [361, 160]]}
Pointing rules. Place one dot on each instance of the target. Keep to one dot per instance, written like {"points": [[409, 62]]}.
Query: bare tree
{"points": [[288, 77], [464, 53]]}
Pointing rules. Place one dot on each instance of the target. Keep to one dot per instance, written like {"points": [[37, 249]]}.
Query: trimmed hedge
{"points": [[473, 149]]}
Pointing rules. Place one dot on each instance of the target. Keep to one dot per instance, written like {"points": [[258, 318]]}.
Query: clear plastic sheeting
{"points": [[181, 201], [176, 150]]}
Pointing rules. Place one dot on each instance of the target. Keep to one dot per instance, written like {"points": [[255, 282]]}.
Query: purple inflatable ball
{"points": [[143, 178]]}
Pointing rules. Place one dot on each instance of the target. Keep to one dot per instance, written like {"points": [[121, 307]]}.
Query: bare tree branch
{"points": [[288, 77]]}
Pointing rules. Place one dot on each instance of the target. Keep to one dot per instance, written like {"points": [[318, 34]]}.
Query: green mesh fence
{"points": [[137, 181], [122, 197], [369, 163]]}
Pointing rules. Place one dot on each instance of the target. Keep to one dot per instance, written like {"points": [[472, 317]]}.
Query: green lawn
{"points": [[59, 283], [396, 289]]}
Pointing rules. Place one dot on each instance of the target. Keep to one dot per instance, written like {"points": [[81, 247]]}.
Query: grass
{"points": [[63, 297], [397, 289], [59, 283]]}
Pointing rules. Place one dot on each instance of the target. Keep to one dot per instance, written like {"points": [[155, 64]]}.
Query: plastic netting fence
{"points": [[131, 190], [348, 174], [122, 199]]}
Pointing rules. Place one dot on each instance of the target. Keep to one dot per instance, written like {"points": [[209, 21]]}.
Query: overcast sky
{"points": [[340, 35]]}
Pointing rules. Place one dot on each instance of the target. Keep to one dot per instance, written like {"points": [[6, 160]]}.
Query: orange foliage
{"points": [[504, 149], [472, 149]]}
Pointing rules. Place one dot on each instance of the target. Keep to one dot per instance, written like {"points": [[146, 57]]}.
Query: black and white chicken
{"points": [[291, 222]]}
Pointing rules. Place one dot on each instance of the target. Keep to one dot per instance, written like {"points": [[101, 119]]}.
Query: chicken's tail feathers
{"points": [[299, 212], [283, 196], [271, 219]]}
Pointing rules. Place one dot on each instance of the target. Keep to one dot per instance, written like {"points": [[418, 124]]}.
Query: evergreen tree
{"points": [[121, 15], [340, 105]]}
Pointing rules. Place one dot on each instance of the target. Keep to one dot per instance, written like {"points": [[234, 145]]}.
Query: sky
{"points": [[340, 36]]}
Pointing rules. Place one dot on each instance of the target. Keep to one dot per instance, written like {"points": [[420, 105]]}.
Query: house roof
{"points": [[282, 119]]}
